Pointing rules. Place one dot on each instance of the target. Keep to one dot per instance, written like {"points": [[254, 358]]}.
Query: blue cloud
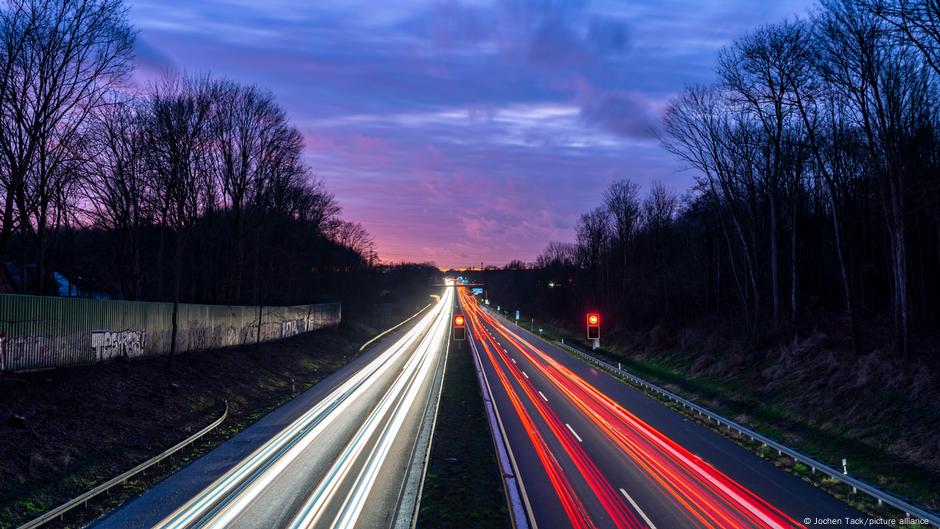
{"points": [[463, 130]]}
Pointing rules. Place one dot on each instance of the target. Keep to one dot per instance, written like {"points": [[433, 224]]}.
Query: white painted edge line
{"points": [[574, 433], [638, 509]]}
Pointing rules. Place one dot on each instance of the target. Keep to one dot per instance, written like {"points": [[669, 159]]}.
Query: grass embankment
{"points": [[66, 430], [808, 397], [462, 487]]}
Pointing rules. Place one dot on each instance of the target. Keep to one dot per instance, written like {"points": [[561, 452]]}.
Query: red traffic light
{"points": [[459, 320], [593, 326]]}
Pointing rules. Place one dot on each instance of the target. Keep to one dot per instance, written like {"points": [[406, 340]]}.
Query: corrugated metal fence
{"points": [[39, 332]]}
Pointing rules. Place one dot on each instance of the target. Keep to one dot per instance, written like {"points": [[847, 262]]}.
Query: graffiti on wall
{"points": [[292, 328], [46, 332], [115, 344]]}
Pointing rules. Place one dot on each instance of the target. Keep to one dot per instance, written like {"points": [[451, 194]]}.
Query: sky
{"points": [[461, 132]]}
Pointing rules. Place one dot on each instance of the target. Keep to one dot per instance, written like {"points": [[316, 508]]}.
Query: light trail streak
{"points": [[708, 496], [606, 495], [398, 400], [219, 504]]}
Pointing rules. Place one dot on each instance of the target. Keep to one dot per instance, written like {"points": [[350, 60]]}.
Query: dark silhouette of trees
{"points": [[623, 204], [190, 190], [58, 62], [816, 204], [593, 232], [117, 191]]}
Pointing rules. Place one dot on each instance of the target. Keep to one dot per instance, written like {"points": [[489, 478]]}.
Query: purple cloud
{"points": [[463, 131]]}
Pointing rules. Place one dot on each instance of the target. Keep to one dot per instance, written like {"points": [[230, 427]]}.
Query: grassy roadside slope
{"points": [[462, 487]]}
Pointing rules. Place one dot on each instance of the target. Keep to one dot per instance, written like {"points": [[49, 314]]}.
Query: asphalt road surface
{"points": [[591, 451], [341, 455]]}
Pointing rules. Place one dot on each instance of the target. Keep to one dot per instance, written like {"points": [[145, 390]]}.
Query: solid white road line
{"points": [[543, 396], [638, 509], [574, 433]]}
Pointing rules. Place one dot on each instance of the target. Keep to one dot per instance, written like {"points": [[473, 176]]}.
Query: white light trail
{"points": [[222, 501]]}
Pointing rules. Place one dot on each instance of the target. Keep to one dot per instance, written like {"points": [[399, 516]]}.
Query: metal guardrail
{"points": [[519, 509], [84, 498], [386, 331], [857, 485]]}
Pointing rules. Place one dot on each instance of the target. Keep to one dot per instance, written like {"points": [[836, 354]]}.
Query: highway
{"points": [[592, 452], [347, 458]]}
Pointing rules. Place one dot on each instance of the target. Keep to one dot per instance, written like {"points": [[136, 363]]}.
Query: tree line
{"points": [[816, 203], [192, 189]]}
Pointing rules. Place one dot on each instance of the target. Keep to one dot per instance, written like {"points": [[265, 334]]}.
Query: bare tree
{"points": [[177, 142], [116, 188], [622, 200], [593, 231], [917, 22], [354, 236], [756, 70], [60, 59], [702, 131], [558, 254], [889, 96], [659, 211], [251, 140]]}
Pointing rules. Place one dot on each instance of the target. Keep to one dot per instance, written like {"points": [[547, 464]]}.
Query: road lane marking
{"points": [[525, 375], [638, 509], [543, 396], [513, 360], [574, 433]]}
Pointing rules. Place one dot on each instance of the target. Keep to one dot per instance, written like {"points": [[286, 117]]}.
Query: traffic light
{"points": [[460, 327], [593, 326]]}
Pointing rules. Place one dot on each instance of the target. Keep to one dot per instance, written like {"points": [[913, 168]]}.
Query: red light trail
{"points": [[706, 496]]}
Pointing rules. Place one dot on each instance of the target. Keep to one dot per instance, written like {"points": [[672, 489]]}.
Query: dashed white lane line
{"points": [[513, 360], [525, 375], [638, 509], [574, 433], [543, 396]]}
